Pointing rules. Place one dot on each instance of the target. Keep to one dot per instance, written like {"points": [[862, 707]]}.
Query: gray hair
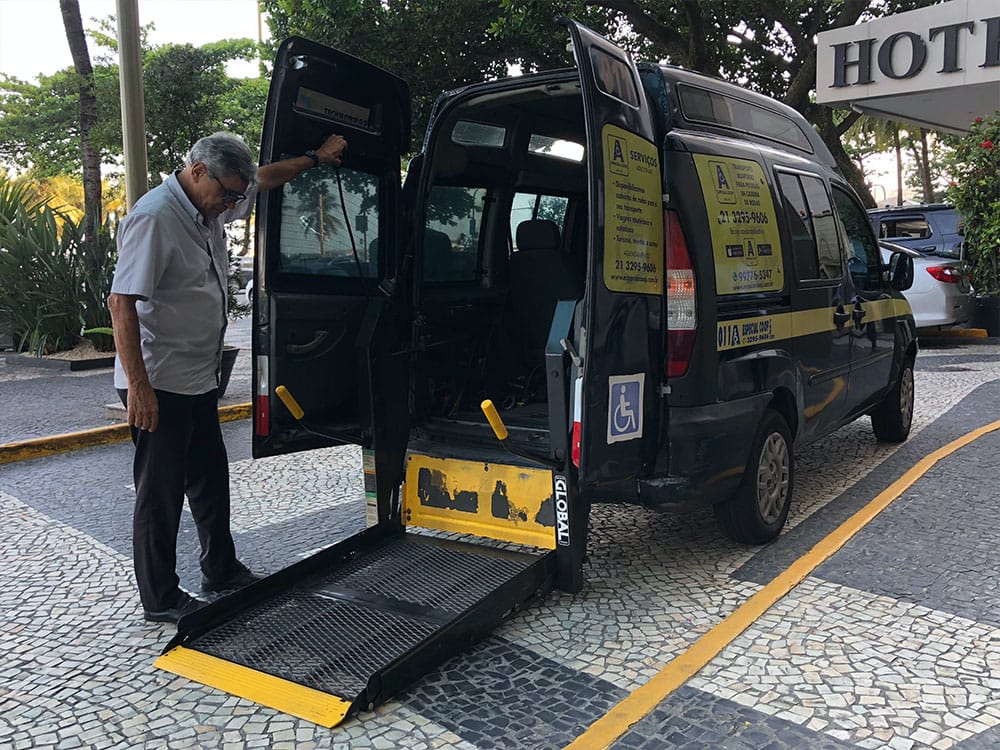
{"points": [[225, 155]]}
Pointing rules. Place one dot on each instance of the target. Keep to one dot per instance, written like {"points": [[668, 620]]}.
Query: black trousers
{"points": [[184, 455]]}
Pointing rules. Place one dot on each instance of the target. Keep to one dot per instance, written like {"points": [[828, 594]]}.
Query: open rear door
{"points": [[620, 344], [325, 304]]}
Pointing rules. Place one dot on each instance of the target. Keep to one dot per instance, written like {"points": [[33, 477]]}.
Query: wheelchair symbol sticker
{"points": [[625, 407]]}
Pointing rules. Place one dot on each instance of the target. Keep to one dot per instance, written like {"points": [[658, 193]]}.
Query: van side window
{"points": [[815, 241], [527, 206], [863, 259], [451, 235], [824, 228], [314, 238], [799, 226]]}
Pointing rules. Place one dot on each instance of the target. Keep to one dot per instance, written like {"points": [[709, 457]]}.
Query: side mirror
{"points": [[900, 271]]}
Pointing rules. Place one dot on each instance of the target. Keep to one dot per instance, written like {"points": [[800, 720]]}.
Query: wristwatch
{"points": [[311, 153]]}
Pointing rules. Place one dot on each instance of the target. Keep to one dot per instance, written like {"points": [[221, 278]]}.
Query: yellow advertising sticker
{"points": [[741, 214], [633, 213]]}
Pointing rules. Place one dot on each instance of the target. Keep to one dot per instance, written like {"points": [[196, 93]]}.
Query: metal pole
{"points": [[133, 105]]}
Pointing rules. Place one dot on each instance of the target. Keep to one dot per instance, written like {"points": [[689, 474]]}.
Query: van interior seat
{"points": [[540, 275]]}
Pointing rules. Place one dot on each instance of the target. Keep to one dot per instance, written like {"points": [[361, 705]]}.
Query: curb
{"points": [[53, 363], [956, 337], [961, 333], [24, 450]]}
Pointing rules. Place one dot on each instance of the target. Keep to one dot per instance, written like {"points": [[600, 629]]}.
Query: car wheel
{"points": [[892, 418], [756, 513]]}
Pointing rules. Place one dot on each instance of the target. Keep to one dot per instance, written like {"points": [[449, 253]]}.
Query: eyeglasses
{"points": [[228, 196]]}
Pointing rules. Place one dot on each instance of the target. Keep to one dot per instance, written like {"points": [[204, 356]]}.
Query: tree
{"points": [[975, 191], [188, 94], [90, 153], [763, 45], [433, 45]]}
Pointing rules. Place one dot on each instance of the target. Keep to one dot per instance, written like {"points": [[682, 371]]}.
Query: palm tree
{"points": [[73, 24]]}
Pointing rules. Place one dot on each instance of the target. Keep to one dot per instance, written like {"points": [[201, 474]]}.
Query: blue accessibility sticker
{"points": [[625, 407]]}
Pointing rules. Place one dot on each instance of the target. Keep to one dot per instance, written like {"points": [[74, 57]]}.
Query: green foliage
{"points": [[433, 45], [975, 192], [188, 94], [43, 281]]}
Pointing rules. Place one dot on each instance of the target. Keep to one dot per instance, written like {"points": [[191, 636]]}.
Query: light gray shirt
{"points": [[177, 266]]}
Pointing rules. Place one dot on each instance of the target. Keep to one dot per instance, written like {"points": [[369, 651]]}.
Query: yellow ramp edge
{"points": [[267, 690]]}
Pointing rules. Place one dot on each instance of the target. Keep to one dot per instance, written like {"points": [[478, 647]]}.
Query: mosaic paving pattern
{"points": [[864, 668], [847, 660]]}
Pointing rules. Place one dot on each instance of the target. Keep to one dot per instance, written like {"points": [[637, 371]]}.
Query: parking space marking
{"points": [[603, 732]]}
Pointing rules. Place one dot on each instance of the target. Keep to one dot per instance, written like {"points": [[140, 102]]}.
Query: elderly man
{"points": [[168, 309]]}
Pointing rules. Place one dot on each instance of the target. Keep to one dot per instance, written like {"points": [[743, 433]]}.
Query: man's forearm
{"points": [[125, 323], [272, 175]]}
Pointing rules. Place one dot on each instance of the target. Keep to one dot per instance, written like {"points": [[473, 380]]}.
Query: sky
{"points": [[33, 41]]}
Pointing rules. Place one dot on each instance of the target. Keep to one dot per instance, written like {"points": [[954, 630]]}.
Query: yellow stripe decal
{"points": [[762, 329], [603, 732], [267, 690]]}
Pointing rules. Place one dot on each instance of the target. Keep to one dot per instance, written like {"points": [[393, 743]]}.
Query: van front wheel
{"points": [[756, 513]]}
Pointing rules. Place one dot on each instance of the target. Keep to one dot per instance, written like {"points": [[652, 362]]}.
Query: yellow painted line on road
{"points": [[71, 441], [603, 732]]}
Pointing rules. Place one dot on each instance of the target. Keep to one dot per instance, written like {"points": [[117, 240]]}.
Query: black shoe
{"points": [[185, 605], [242, 576]]}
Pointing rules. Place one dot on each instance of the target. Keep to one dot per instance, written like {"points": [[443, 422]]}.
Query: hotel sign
{"points": [[938, 66]]}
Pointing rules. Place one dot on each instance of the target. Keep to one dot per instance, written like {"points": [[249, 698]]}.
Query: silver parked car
{"points": [[940, 295]]}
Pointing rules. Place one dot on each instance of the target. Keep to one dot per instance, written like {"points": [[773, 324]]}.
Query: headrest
{"points": [[537, 234]]}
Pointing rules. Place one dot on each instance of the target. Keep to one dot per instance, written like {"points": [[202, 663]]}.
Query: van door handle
{"points": [[858, 313], [840, 317], [309, 347]]}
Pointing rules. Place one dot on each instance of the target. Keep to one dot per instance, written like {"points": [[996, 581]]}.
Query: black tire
{"points": [[756, 512], [892, 418]]}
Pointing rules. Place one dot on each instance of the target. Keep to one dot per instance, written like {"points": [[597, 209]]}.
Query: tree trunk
{"points": [[829, 131], [73, 24], [899, 166], [925, 168]]}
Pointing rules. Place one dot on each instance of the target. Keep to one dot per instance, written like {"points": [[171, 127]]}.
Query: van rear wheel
{"points": [[892, 418], [756, 513]]}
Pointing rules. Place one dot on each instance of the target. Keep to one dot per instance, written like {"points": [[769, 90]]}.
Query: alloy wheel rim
{"points": [[772, 478], [906, 397]]}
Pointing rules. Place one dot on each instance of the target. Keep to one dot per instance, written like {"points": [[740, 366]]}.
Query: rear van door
{"points": [[326, 297], [618, 333]]}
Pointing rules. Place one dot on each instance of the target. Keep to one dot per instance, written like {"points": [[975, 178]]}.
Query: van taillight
{"points": [[262, 414], [682, 315], [577, 426]]}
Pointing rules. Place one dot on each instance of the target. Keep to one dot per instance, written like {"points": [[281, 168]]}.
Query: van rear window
{"points": [[478, 134], [700, 105], [319, 235]]}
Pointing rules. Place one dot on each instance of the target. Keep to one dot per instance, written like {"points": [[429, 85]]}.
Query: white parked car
{"points": [[940, 295]]}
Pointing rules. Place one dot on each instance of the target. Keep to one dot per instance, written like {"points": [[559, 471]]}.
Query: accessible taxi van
{"points": [[617, 283]]}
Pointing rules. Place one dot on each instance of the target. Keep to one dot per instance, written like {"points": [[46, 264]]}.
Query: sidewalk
{"points": [[892, 643], [47, 398]]}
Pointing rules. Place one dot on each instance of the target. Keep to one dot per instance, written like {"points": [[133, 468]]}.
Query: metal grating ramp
{"points": [[428, 573], [348, 633], [323, 643]]}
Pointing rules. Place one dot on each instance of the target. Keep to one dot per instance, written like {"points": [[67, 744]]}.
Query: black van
{"points": [[608, 283], [659, 280]]}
